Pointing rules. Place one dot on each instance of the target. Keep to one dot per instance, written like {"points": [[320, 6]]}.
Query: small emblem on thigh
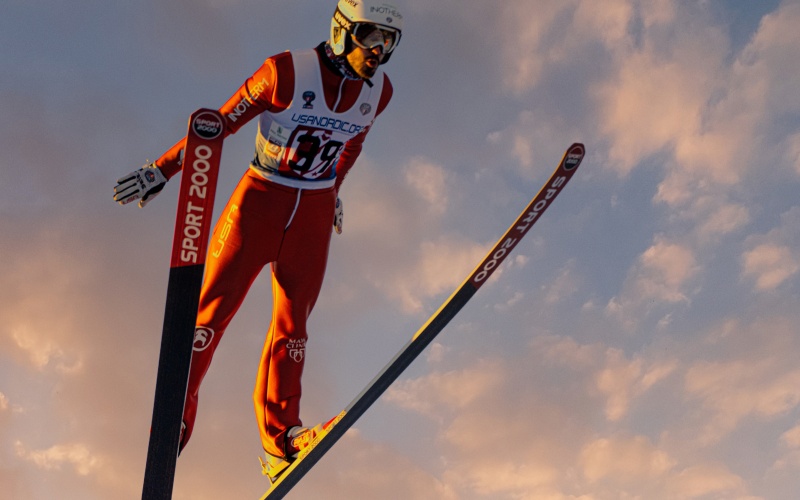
{"points": [[297, 350], [202, 338]]}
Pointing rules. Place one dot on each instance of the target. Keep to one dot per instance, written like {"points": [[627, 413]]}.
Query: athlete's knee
{"points": [[291, 326]]}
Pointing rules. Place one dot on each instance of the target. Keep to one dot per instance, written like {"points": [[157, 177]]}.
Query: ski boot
{"points": [[297, 439]]}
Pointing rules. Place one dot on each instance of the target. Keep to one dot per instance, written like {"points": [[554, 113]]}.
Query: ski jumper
{"points": [[312, 122]]}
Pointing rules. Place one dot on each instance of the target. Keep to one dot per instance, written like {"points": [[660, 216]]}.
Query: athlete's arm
{"points": [[354, 146], [261, 92]]}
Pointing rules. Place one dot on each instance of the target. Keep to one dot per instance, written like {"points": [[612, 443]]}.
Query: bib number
{"points": [[312, 152]]}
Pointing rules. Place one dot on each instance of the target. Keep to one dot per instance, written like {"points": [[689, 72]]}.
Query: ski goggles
{"points": [[368, 36]]}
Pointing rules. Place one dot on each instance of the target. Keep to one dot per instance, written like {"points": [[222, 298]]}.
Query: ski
{"points": [[324, 441], [192, 226]]}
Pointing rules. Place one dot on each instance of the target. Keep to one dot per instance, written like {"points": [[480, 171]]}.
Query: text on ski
{"points": [[190, 245]]}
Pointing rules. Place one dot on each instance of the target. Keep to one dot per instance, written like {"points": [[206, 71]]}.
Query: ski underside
{"points": [[192, 227], [325, 440]]}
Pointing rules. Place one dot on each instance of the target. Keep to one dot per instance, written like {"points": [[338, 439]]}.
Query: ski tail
{"points": [[190, 241], [541, 202]]}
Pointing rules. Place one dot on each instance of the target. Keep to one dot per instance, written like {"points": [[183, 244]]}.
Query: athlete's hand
{"points": [[338, 215], [143, 185]]}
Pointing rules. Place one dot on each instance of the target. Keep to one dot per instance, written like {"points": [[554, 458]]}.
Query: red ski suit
{"points": [[281, 213]]}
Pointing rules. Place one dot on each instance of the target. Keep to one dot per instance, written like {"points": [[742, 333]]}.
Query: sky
{"points": [[640, 343]]}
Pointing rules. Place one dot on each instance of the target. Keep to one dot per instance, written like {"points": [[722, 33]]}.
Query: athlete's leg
{"points": [[243, 242], [297, 278]]}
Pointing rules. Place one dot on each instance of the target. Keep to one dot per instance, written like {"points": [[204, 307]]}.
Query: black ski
{"points": [[311, 455], [192, 226]]}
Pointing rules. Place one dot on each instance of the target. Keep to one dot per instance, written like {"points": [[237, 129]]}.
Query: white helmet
{"points": [[368, 24]]}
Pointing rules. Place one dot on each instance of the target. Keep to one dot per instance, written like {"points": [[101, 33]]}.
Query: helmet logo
{"points": [[365, 108], [342, 20], [386, 9]]}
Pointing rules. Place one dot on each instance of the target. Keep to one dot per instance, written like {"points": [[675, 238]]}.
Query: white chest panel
{"points": [[301, 145]]}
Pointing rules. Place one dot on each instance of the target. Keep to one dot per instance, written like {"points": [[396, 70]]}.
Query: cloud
{"points": [[436, 352], [737, 132], [791, 438], [38, 323], [618, 379], [43, 351], [663, 94], [660, 276], [710, 116], [673, 91], [523, 69], [567, 351], [515, 299], [765, 60], [720, 218], [474, 412], [73, 358], [401, 217], [633, 464], [755, 375], [707, 479], [564, 285], [664, 269], [622, 380], [372, 471], [790, 459], [453, 390], [772, 258], [625, 458], [793, 151], [610, 21], [735, 389], [78, 455], [429, 181], [656, 96], [439, 266], [501, 478], [473, 415], [770, 265]]}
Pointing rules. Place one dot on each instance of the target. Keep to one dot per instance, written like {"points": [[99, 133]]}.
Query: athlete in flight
{"points": [[314, 110]]}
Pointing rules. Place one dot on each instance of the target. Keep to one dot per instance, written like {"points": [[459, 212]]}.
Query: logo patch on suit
{"points": [[202, 338], [309, 97], [296, 349], [365, 108]]}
